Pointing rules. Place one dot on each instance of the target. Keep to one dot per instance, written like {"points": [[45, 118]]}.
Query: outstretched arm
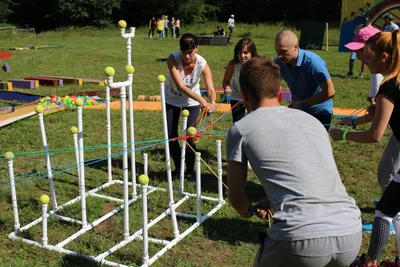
{"points": [[237, 178], [228, 77]]}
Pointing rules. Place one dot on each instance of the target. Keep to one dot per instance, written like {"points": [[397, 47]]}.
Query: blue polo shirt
{"points": [[303, 80]]}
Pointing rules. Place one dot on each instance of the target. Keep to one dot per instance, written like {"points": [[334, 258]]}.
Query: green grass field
{"points": [[225, 239]]}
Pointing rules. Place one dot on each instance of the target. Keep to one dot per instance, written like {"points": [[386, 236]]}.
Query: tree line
{"points": [[51, 14]]}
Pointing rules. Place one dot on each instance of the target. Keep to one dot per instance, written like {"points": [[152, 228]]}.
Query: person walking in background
{"points": [[172, 27], [152, 26], [353, 55], [307, 76], [390, 26], [231, 26], [160, 26], [166, 25], [244, 50], [177, 27]]}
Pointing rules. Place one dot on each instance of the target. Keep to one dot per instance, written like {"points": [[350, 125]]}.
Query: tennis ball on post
{"points": [[185, 113], [143, 179], [44, 199], [9, 155], [129, 69], [109, 71], [191, 131], [74, 130], [161, 78], [39, 109], [122, 24], [79, 102]]}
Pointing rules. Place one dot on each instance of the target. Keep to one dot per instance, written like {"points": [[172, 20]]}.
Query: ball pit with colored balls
{"points": [[44, 199], [143, 179], [9, 155], [191, 131]]}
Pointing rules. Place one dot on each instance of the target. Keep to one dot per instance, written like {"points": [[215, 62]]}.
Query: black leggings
{"points": [[389, 204], [173, 114], [238, 111]]}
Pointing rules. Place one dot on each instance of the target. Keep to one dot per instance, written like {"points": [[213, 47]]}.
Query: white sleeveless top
{"points": [[173, 95], [235, 86]]}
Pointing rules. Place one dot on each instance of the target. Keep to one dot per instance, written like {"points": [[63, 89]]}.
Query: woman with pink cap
{"points": [[382, 54]]}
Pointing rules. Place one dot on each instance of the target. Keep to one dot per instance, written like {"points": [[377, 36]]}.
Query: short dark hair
{"points": [[260, 77], [389, 17], [188, 42], [241, 44]]}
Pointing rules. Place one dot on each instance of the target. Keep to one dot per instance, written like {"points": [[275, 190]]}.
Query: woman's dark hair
{"points": [[188, 42], [241, 44]]}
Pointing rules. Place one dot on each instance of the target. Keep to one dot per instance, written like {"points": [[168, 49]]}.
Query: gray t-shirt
{"points": [[290, 152]]}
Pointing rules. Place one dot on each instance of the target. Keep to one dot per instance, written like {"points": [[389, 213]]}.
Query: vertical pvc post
{"points": [[75, 131], [79, 107], [108, 128], [198, 186], [10, 157], [183, 154], [47, 158], [219, 160], [44, 225], [145, 231]]}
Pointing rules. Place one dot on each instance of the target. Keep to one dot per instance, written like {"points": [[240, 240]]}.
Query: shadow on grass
{"points": [[368, 210], [78, 261], [233, 230]]}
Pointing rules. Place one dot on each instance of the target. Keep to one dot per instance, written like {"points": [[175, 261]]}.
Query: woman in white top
{"points": [[182, 91], [244, 50]]}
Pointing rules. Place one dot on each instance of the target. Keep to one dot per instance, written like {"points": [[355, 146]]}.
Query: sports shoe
{"points": [[367, 227], [360, 76], [176, 174], [361, 262], [347, 75]]}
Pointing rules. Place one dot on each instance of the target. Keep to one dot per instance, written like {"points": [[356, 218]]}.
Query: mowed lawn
{"points": [[223, 240]]}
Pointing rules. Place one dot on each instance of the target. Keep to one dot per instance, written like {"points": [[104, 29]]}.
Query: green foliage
{"points": [[88, 12], [5, 9], [196, 11]]}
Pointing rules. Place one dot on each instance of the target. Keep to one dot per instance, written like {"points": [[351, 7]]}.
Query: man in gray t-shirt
{"points": [[390, 26], [315, 221]]}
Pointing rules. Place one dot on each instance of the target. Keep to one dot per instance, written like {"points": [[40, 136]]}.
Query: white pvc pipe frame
{"points": [[86, 226]]}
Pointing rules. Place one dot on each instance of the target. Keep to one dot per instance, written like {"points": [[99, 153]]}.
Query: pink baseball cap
{"points": [[361, 37]]}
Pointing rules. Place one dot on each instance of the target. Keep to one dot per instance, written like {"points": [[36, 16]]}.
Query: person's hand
{"points": [[261, 209], [296, 105], [227, 90], [336, 134], [347, 121]]}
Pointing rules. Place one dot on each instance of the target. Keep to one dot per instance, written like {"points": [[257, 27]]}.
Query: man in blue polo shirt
{"points": [[307, 77]]}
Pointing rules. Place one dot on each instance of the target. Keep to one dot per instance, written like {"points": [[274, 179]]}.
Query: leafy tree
{"points": [[88, 12], [6, 9]]}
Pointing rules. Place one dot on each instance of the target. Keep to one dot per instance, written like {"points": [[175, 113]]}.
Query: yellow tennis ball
{"points": [[39, 109], [74, 130], [161, 78], [185, 113], [79, 102], [9, 155], [143, 179], [191, 131], [44, 199], [130, 69], [122, 24], [109, 71]]}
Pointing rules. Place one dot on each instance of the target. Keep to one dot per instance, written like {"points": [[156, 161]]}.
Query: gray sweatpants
{"points": [[390, 163], [317, 252]]}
